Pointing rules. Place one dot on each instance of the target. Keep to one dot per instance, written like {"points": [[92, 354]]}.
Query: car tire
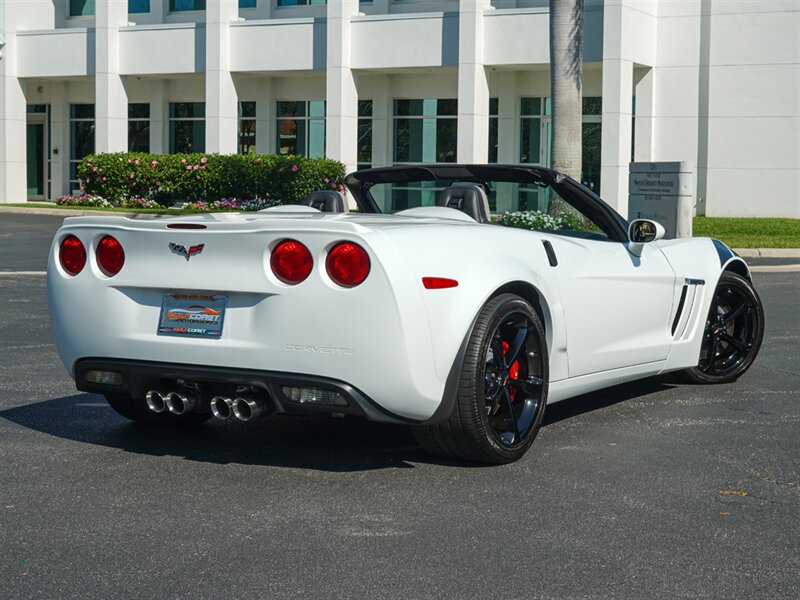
{"points": [[135, 409], [733, 332], [502, 388]]}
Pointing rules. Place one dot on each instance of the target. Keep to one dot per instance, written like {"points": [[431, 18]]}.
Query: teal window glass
{"points": [[247, 127], [81, 137], [247, 3], [139, 127], [364, 134], [81, 8], [301, 128], [494, 124], [138, 6], [184, 5], [300, 2], [425, 131], [187, 127], [530, 131]]}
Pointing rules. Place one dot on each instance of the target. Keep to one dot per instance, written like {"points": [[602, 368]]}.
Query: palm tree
{"points": [[566, 73]]}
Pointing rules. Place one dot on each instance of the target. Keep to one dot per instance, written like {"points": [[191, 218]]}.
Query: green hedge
{"points": [[171, 178]]}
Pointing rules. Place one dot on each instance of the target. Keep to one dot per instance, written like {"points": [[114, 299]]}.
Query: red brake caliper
{"points": [[513, 371]]}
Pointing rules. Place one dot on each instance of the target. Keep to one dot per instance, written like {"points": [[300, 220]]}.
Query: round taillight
{"points": [[72, 255], [110, 256], [348, 264], [291, 262]]}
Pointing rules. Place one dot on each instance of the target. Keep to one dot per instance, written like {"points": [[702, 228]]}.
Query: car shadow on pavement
{"points": [[320, 443]]}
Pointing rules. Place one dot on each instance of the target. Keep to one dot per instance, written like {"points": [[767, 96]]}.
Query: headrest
{"points": [[326, 201], [469, 198]]}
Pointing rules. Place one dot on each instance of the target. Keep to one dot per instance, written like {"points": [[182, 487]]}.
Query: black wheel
{"points": [[136, 409], [502, 389], [733, 332]]}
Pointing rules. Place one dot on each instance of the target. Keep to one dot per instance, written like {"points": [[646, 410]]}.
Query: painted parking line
{"points": [[23, 273]]}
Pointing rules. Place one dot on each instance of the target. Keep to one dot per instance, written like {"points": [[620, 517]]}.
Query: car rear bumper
{"points": [[138, 377]]}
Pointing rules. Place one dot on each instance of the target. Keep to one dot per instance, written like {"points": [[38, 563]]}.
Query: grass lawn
{"points": [[736, 233], [750, 232]]}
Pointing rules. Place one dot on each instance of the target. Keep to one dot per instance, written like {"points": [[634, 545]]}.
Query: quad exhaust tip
{"points": [[244, 408], [221, 407], [178, 403]]}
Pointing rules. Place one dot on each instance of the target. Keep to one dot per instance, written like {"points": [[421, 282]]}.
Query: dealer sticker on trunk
{"points": [[196, 315]]}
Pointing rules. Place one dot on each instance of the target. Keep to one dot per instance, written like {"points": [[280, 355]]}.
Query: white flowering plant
{"points": [[534, 219]]}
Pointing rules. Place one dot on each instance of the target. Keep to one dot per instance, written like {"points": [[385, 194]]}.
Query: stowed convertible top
{"points": [[476, 173]]}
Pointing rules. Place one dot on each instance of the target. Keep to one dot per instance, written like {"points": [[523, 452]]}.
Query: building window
{"points": [[247, 3], [591, 131], [184, 5], [138, 6], [300, 2], [425, 131], [494, 124], [81, 137], [139, 127], [364, 134], [247, 127], [81, 8], [187, 127], [301, 128], [530, 127]]}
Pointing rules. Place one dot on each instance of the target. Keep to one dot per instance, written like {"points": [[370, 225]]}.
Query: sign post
{"points": [[663, 192]]}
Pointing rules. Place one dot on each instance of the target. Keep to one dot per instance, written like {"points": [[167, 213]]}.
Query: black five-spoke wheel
{"points": [[513, 382], [502, 389], [733, 332]]}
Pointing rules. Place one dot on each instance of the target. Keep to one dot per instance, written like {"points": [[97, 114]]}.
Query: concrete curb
{"points": [[62, 212], [768, 252]]}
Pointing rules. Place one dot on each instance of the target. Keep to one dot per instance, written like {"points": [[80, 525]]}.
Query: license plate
{"points": [[193, 315]]}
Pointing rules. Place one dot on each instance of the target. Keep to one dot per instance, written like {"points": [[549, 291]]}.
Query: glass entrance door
{"points": [[37, 151]]}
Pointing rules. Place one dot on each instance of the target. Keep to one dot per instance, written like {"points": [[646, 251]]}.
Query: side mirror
{"points": [[643, 231]]}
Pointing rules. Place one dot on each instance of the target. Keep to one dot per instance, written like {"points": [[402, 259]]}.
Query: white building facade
{"points": [[714, 82]]}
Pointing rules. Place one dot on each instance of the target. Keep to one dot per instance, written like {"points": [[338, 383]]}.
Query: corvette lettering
{"points": [[182, 251], [319, 349]]}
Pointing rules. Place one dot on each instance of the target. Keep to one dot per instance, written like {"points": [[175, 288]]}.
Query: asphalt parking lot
{"points": [[648, 490]]}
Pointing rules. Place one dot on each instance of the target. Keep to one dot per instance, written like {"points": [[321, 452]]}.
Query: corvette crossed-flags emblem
{"points": [[178, 249]]}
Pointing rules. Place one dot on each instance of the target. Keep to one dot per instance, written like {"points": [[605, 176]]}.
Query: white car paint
{"points": [[607, 314]]}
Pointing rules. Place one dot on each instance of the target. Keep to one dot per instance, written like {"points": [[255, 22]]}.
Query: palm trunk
{"points": [[566, 72]]}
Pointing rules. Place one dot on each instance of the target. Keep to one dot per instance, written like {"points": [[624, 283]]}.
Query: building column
{"points": [[643, 117], [13, 115], [222, 102], [615, 147], [59, 140], [617, 119], [507, 136], [381, 121], [266, 121], [341, 120], [111, 97], [158, 118], [473, 84]]}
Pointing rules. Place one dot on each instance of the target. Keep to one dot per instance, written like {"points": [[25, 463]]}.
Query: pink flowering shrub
{"points": [[178, 178]]}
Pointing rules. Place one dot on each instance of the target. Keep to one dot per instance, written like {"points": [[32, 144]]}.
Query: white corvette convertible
{"points": [[431, 316]]}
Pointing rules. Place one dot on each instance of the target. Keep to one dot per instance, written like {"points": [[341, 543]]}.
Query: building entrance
{"points": [[37, 153]]}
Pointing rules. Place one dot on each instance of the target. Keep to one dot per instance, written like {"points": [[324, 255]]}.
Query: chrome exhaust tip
{"points": [[221, 407], [155, 401], [180, 403], [248, 408]]}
